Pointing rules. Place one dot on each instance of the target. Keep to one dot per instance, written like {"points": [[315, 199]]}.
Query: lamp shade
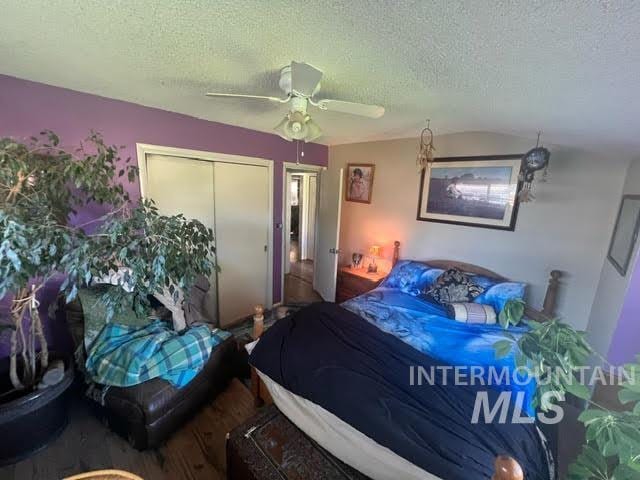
{"points": [[374, 250], [298, 126]]}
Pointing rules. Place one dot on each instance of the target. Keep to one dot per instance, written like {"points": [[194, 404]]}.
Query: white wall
{"points": [[612, 287], [567, 228]]}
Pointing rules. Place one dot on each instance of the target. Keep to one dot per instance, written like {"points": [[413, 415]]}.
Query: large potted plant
{"points": [[42, 187]]}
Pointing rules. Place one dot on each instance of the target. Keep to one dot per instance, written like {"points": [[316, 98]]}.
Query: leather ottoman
{"points": [[270, 447], [146, 414]]}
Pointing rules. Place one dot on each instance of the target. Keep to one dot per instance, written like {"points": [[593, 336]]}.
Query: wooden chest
{"points": [[270, 447], [353, 282]]}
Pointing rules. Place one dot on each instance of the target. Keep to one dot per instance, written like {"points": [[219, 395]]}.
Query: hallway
{"points": [[298, 284]]}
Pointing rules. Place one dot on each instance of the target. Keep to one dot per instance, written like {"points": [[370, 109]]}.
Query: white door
{"points": [[311, 217], [184, 185], [242, 238], [326, 262], [287, 223]]}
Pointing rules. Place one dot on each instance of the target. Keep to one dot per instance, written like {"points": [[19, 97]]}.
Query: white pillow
{"points": [[176, 308]]}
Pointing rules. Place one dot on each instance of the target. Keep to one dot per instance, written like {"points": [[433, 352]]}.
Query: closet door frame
{"points": [[144, 149]]}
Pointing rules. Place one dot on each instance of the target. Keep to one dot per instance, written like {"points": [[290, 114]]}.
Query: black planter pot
{"points": [[30, 422]]}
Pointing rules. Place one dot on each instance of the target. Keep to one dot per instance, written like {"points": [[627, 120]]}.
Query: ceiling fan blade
{"points": [[304, 79], [371, 111], [258, 97]]}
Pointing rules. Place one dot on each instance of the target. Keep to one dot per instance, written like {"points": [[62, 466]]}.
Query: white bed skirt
{"points": [[341, 439]]}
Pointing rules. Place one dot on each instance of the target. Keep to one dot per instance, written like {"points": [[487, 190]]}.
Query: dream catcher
{"points": [[535, 159], [425, 154]]}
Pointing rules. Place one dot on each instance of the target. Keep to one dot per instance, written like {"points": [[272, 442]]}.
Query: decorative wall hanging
{"points": [[625, 233], [426, 149], [359, 182], [535, 159], [472, 191]]}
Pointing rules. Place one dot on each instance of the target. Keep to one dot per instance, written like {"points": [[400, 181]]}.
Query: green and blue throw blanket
{"points": [[125, 355]]}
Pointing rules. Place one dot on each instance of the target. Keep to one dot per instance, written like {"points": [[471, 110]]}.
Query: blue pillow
{"points": [[431, 276], [484, 282], [498, 295], [408, 276]]}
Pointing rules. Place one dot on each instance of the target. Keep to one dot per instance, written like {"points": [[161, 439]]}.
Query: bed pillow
{"points": [[431, 276], [498, 295], [472, 313], [95, 313], [484, 282], [453, 286], [407, 276]]}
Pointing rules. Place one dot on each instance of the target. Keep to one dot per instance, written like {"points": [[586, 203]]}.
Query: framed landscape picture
{"points": [[472, 191], [359, 182], [625, 233]]}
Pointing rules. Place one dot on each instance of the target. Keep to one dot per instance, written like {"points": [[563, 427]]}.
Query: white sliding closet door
{"points": [[242, 228], [184, 185]]}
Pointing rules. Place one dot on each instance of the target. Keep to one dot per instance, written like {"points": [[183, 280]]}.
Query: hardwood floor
{"points": [[298, 284], [302, 269], [197, 451], [297, 290]]}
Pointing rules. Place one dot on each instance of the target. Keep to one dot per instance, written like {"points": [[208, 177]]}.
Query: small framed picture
{"points": [[625, 233], [471, 191], [359, 182]]}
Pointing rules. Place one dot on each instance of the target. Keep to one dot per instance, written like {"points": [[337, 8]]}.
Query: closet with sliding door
{"points": [[233, 198]]}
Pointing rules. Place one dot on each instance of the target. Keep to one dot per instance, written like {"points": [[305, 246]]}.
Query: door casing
{"points": [[288, 166]]}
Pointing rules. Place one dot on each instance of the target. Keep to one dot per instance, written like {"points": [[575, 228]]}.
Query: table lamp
{"points": [[374, 251]]}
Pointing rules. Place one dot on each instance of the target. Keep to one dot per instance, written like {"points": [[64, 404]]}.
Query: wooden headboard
{"points": [[550, 298]]}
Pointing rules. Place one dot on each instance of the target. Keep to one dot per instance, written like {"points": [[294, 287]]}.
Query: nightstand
{"points": [[352, 282]]}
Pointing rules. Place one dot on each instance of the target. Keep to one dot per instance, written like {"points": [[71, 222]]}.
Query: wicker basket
{"points": [[105, 475]]}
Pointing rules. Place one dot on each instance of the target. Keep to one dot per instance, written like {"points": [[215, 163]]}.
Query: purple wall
{"points": [[625, 344], [26, 108]]}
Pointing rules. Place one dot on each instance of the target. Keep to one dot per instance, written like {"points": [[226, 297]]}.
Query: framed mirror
{"points": [[625, 233]]}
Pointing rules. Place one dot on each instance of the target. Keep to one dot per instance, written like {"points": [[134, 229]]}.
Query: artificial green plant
{"points": [[612, 448], [42, 186]]}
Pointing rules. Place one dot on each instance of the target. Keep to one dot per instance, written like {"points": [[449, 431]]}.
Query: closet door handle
{"points": [[266, 248]]}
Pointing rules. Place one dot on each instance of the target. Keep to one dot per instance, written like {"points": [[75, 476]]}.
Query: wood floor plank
{"points": [[195, 452]]}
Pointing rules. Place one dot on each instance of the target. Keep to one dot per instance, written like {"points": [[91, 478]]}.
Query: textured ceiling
{"points": [[570, 68]]}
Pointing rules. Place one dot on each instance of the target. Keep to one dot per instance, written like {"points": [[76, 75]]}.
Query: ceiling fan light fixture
{"points": [[313, 131], [279, 129], [298, 126]]}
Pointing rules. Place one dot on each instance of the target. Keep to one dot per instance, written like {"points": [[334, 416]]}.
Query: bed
{"points": [[343, 374]]}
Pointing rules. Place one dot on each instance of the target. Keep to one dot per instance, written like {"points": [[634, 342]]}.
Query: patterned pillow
{"points": [[408, 276], [95, 313], [472, 313], [454, 286], [498, 295]]}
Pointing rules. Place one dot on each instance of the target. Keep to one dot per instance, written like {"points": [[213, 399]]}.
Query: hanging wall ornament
{"points": [[535, 159], [425, 154]]}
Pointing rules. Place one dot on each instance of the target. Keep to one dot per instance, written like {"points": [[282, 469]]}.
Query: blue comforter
{"points": [[425, 326], [355, 370]]}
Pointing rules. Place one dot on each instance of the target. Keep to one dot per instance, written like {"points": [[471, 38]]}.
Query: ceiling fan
{"points": [[300, 82]]}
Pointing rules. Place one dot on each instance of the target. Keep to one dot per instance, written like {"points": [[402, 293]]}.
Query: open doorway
{"points": [[300, 209]]}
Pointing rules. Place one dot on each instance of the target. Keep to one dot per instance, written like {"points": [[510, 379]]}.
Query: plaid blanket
{"points": [[124, 355]]}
